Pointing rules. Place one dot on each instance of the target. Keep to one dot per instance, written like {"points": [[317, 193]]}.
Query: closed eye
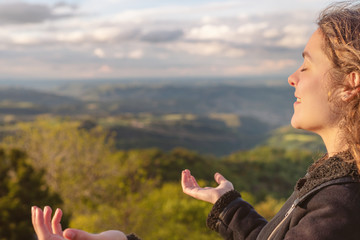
{"points": [[303, 69]]}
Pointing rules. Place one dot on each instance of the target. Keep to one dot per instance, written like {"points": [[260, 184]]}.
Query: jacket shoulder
{"points": [[331, 213]]}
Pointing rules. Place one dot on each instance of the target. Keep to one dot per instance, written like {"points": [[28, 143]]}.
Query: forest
{"points": [[118, 169]]}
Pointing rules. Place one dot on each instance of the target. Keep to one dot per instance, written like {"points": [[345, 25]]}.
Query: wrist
{"points": [[132, 237], [219, 206]]}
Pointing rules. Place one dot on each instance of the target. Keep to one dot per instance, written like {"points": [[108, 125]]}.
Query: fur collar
{"points": [[326, 169]]}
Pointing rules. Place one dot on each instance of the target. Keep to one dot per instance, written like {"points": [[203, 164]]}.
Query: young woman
{"points": [[325, 203]]}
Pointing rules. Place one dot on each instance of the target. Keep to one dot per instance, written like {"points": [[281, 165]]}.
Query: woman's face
{"points": [[312, 108]]}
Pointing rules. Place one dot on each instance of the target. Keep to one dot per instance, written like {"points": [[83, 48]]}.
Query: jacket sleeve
{"points": [[132, 237], [234, 218], [332, 213]]}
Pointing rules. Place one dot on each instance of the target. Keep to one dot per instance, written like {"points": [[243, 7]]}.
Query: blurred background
{"points": [[103, 103]]}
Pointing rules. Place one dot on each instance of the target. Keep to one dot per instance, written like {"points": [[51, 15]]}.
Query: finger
{"points": [[183, 180], [194, 182], [112, 235], [41, 230], [33, 216], [191, 180], [55, 223], [223, 182], [47, 218], [219, 178], [186, 179], [183, 175], [75, 234]]}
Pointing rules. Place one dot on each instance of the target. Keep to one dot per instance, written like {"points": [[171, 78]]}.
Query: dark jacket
{"points": [[325, 204], [132, 237]]}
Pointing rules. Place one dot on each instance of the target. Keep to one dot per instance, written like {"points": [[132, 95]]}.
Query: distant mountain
{"points": [[21, 95], [217, 134], [21, 102], [270, 104], [214, 119]]}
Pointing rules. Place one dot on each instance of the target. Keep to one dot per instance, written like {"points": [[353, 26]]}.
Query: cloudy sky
{"points": [[99, 39]]}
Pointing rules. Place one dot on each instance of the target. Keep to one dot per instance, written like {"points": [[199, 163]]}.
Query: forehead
{"points": [[314, 47]]}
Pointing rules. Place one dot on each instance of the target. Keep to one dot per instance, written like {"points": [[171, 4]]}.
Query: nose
{"points": [[293, 79]]}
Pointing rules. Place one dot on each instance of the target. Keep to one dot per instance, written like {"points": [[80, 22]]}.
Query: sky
{"points": [[120, 39]]}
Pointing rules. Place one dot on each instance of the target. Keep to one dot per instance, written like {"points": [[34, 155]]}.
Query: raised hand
{"points": [[208, 194], [47, 229]]}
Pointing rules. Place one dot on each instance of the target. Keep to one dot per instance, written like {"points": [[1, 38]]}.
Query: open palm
{"points": [[47, 229], [208, 194]]}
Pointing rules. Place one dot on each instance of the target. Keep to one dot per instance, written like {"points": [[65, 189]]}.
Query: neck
{"points": [[332, 141]]}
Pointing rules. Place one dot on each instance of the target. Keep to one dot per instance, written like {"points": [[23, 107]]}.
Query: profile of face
{"points": [[312, 109]]}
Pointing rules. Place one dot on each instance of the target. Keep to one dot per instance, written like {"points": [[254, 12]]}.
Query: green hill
{"points": [[290, 138]]}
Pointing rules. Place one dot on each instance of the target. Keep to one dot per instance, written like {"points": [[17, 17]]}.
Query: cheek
{"points": [[317, 91], [319, 103], [314, 110]]}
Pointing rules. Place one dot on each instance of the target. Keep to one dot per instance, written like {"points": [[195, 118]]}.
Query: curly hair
{"points": [[340, 25]]}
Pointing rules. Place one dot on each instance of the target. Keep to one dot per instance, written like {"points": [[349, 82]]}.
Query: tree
{"points": [[265, 171], [21, 186], [75, 158], [145, 197], [163, 213]]}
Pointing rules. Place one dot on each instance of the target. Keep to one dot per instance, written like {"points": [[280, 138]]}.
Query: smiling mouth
{"points": [[298, 100]]}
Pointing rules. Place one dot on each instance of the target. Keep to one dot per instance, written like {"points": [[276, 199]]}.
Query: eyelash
{"points": [[303, 69]]}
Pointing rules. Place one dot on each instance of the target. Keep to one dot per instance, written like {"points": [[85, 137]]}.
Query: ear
{"points": [[353, 88]]}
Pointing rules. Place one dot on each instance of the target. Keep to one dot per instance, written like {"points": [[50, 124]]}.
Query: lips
{"points": [[298, 100]]}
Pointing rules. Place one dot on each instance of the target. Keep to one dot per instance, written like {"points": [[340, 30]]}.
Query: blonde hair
{"points": [[340, 25]]}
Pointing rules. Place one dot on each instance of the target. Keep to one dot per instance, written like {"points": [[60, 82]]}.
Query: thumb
{"points": [[219, 178], [75, 234]]}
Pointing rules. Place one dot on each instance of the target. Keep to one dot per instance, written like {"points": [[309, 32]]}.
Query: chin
{"points": [[296, 127], [296, 124]]}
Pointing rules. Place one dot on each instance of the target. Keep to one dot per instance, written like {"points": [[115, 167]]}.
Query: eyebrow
{"points": [[306, 54]]}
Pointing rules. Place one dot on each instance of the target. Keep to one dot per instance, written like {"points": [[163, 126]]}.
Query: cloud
{"points": [[24, 13], [295, 35], [271, 33], [209, 31], [266, 66], [250, 28], [99, 53], [76, 36], [21, 12], [105, 33], [162, 35], [105, 69], [136, 54], [64, 9], [207, 49], [220, 38]]}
